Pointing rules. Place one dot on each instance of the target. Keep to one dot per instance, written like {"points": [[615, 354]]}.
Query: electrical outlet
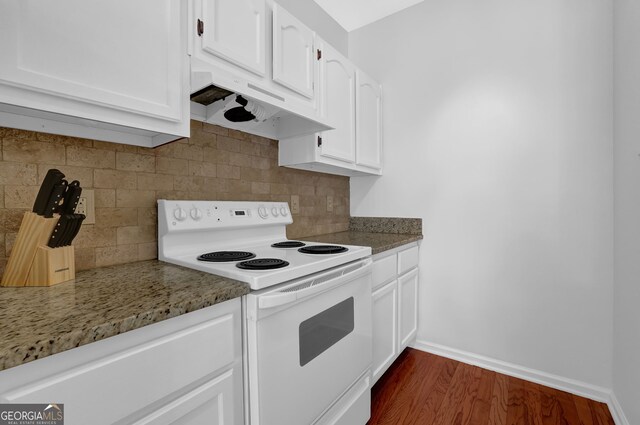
{"points": [[329, 203], [87, 206], [295, 204]]}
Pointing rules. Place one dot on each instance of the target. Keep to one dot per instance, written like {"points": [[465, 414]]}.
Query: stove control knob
{"points": [[283, 211], [262, 212], [274, 211], [180, 214], [196, 214]]}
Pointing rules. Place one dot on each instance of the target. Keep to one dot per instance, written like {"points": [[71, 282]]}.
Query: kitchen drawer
{"points": [[107, 389], [353, 408], [407, 259], [384, 269]]}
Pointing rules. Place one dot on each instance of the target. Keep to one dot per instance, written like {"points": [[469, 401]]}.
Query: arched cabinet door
{"points": [[293, 53], [369, 122], [338, 106], [235, 30]]}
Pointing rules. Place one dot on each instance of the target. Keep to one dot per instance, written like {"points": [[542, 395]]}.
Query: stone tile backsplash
{"points": [[214, 164]]}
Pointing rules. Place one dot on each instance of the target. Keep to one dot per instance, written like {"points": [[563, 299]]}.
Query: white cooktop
{"points": [[188, 229], [300, 264]]}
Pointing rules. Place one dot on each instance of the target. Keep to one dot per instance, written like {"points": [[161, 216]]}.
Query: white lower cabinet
{"points": [[206, 405], [408, 301], [385, 327], [395, 305], [185, 370]]}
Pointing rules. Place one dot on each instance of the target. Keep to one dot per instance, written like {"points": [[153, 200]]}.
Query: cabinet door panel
{"points": [[152, 371], [369, 122], [209, 404], [408, 307], [235, 31], [293, 61], [120, 54], [338, 106], [385, 325]]}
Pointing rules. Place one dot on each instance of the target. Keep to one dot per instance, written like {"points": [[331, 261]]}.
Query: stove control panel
{"points": [[202, 215]]}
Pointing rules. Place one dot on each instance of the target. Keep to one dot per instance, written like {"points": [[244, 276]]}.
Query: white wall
{"points": [[498, 133], [318, 20], [627, 208]]}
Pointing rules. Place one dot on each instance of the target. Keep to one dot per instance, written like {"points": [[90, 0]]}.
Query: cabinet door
{"points": [[385, 326], [210, 404], [235, 30], [338, 105], [293, 61], [408, 307], [147, 373], [122, 55], [368, 122]]}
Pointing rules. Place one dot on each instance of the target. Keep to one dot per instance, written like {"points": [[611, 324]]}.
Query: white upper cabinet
{"points": [[256, 49], [338, 105], [293, 54], [117, 67], [235, 30], [351, 102], [368, 121]]}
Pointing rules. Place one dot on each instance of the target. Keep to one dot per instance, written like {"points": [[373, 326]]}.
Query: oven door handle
{"points": [[321, 283]]}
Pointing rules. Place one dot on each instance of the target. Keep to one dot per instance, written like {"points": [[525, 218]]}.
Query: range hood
{"points": [[246, 107]]}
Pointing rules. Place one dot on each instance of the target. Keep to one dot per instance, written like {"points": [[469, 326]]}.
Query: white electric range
{"points": [[307, 319]]}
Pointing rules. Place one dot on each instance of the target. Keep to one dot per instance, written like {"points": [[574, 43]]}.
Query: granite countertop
{"points": [[379, 242], [41, 321], [380, 233]]}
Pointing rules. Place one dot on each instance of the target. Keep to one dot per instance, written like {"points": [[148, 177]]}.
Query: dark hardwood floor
{"points": [[424, 389]]}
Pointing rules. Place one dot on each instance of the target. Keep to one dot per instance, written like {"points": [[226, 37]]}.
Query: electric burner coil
{"points": [[226, 256], [288, 244], [323, 249], [262, 264]]}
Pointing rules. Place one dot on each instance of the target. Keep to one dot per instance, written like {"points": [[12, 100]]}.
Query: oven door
{"points": [[309, 341]]}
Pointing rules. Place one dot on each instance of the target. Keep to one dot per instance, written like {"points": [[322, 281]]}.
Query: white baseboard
{"points": [[583, 389], [616, 411]]}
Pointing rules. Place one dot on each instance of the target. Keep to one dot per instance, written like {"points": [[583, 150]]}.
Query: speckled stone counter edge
{"points": [[18, 355], [160, 300], [408, 240], [409, 226]]}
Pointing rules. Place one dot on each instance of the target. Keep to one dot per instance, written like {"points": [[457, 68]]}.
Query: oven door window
{"points": [[325, 329]]}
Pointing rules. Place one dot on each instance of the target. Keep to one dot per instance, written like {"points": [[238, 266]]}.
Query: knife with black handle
{"points": [[75, 222], [68, 231], [54, 199], [75, 229], [71, 198], [62, 227], [51, 179]]}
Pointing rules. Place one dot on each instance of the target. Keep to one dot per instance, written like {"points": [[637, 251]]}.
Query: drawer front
{"points": [[407, 259], [384, 269], [107, 390]]}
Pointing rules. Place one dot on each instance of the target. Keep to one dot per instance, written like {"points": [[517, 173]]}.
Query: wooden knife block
{"points": [[32, 262]]}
